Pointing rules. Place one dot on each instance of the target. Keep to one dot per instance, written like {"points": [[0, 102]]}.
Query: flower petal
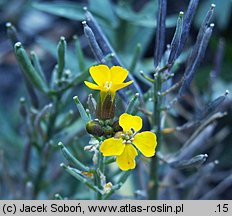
{"points": [[118, 86], [146, 143], [127, 121], [92, 86], [112, 146], [100, 74], [126, 160], [118, 74]]}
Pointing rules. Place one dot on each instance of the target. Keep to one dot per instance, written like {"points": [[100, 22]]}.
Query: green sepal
{"points": [[106, 106]]}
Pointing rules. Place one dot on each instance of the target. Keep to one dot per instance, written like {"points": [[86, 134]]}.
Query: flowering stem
{"points": [[100, 168], [153, 182]]}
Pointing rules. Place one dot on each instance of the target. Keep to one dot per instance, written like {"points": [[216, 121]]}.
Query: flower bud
{"points": [[94, 128], [108, 131], [118, 135], [116, 126], [106, 107]]}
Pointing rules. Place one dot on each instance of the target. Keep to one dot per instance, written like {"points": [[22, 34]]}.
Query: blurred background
{"points": [[40, 24]]}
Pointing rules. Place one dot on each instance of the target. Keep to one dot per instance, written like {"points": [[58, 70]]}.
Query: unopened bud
{"points": [[116, 126], [106, 107], [108, 131], [94, 128], [118, 135]]}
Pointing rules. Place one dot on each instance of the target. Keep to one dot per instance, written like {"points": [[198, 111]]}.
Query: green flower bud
{"points": [[94, 128], [116, 126], [106, 107], [108, 131]]}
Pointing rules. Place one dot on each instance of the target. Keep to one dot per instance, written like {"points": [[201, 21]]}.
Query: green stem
{"points": [[100, 168], [153, 182], [110, 160], [52, 120], [44, 158]]}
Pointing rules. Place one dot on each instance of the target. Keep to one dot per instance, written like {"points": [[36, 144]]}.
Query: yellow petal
{"points": [[127, 121], [118, 86], [92, 86], [118, 74], [100, 74], [126, 160], [112, 146], [146, 143]]}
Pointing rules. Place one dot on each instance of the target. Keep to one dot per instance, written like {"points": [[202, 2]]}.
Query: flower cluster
{"points": [[122, 143]]}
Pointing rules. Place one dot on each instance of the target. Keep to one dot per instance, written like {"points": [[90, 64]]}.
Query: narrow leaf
{"points": [[28, 69], [81, 109], [68, 155]]}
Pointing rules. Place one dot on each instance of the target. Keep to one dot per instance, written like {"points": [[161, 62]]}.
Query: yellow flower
{"points": [[123, 144], [108, 80]]}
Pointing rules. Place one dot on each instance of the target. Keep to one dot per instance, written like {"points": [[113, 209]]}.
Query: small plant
{"points": [[127, 133]]}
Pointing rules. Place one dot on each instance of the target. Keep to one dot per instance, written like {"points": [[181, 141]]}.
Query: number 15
{"points": [[222, 207]]}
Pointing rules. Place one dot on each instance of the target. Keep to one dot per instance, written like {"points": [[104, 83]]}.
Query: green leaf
{"points": [[68, 10], [79, 53], [61, 51], [145, 18], [28, 69], [135, 57], [36, 63], [149, 23], [68, 155], [77, 174], [104, 10], [51, 47], [131, 105], [74, 11], [140, 26], [81, 109], [141, 36], [71, 60]]}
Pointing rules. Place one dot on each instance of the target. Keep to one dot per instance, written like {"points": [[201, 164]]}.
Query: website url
{"points": [[137, 208]]}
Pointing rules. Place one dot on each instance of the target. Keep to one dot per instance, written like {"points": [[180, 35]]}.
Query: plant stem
{"points": [[44, 158], [100, 171], [153, 181]]}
